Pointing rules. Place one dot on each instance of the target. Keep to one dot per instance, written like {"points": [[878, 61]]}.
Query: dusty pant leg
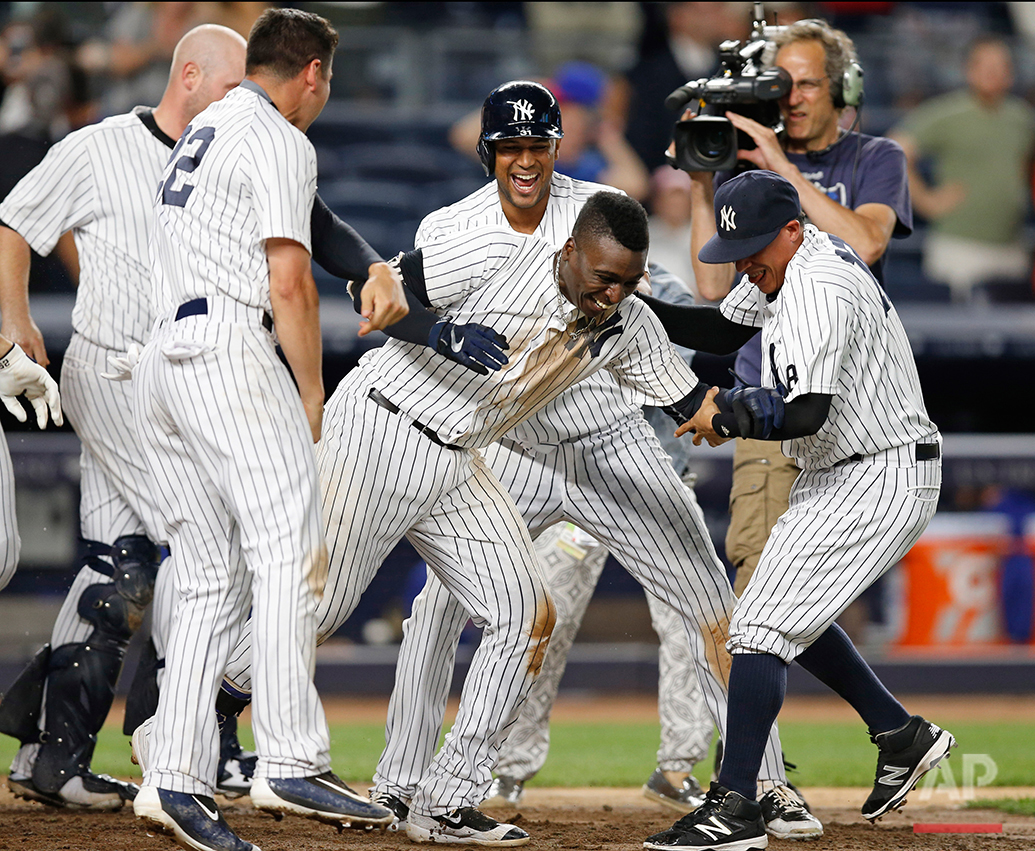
{"points": [[423, 674], [477, 544], [427, 653], [686, 724], [669, 550]]}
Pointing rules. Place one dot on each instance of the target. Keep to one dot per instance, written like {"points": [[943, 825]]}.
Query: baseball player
{"points": [[98, 183], [19, 375], [587, 457], [562, 316], [228, 438], [845, 401], [851, 184]]}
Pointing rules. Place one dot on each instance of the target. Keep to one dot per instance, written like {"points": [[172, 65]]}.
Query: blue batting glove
{"points": [[478, 347]]}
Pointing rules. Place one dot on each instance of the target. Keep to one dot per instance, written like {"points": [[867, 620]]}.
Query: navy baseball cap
{"points": [[750, 210]]}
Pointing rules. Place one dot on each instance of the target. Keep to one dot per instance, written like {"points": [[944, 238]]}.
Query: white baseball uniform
{"points": [[10, 542], [866, 491], [229, 445], [591, 458], [399, 456], [99, 182]]}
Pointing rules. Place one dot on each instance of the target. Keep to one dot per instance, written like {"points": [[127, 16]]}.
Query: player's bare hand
{"points": [[25, 333], [670, 151], [769, 153], [382, 300], [19, 375], [701, 422]]}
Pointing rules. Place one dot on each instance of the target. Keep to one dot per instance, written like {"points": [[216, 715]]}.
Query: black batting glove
{"points": [[759, 410], [478, 347]]}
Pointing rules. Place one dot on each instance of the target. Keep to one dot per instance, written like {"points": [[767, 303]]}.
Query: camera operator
{"points": [[850, 184]]}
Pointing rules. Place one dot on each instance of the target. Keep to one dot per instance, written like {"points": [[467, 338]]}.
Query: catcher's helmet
{"points": [[515, 109]]}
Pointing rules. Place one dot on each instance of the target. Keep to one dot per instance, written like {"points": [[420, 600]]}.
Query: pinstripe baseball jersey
{"points": [[507, 281], [257, 146], [99, 182], [592, 404], [830, 329]]}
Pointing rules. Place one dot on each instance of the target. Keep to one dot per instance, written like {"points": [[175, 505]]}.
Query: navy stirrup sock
{"points": [[758, 682], [833, 660]]}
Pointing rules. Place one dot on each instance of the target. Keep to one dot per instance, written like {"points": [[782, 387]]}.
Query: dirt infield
{"points": [[593, 819]]}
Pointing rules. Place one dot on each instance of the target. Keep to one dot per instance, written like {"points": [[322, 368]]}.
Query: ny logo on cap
{"points": [[523, 110], [728, 218]]}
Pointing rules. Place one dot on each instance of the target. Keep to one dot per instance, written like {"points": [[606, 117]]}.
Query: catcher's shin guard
{"points": [[142, 698], [20, 707], [81, 677], [80, 690]]}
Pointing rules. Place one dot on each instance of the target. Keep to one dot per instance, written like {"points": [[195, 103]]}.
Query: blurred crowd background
{"points": [[397, 141]]}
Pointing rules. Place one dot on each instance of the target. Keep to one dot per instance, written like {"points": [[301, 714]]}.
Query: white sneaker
{"points": [[464, 826], [786, 817]]}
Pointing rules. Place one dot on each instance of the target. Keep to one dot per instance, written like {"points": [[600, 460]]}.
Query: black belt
{"points": [[428, 432], [923, 452], [199, 307]]}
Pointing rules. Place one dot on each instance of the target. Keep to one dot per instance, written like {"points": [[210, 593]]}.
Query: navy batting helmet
{"points": [[517, 109]]}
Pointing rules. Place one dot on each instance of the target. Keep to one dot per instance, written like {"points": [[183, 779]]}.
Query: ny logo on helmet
{"points": [[523, 110], [728, 218]]}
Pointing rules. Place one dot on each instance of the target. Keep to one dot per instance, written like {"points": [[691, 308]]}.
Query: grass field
{"points": [[622, 754]]}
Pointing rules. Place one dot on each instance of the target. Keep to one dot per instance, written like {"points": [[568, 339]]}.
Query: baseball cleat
{"points": [[903, 757], [323, 797], [687, 798], [786, 815], [504, 792], [400, 810], [464, 826], [726, 821], [86, 791], [194, 820]]}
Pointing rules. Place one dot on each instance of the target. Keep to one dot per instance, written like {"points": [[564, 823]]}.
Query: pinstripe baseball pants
{"points": [[231, 454], [846, 525], [619, 486], [382, 479]]}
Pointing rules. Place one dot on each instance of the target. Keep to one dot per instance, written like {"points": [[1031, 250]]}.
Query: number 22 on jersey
{"points": [[185, 166]]}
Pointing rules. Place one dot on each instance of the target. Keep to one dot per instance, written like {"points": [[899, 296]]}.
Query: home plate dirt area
{"points": [[596, 819]]}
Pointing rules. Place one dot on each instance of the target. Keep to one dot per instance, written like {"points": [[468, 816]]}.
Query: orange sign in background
{"points": [[951, 582]]}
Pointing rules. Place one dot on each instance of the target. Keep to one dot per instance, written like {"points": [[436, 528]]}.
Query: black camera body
{"points": [[709, 141]]}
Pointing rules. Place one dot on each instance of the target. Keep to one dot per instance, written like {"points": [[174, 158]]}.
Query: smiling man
{"points": [[846, 403]]}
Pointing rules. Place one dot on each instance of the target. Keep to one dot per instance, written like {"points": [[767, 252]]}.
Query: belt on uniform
{"points": [[199, 307], [428, 432], [922, 452]]}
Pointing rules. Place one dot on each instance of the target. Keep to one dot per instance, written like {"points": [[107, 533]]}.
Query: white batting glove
{"points": [[19, 374], [123, 365]]}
